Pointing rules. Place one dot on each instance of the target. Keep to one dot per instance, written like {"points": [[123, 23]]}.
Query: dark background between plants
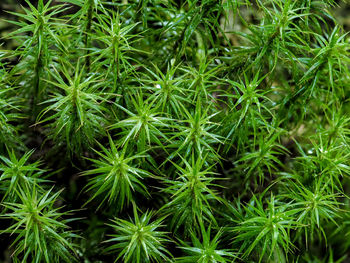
{"points": [[92, 227]]}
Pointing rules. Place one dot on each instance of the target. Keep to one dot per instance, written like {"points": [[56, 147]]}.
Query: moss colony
{"points": [[174, 131]]}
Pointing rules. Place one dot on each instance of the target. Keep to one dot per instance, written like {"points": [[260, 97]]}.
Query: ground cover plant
{"points": [[174, 131]]}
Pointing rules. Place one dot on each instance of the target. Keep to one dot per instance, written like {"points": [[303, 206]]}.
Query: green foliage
{"points": [[228, 119], [18, 174], [78, 111], [206, 251], [139, 240], [190, 195], [116, 43], [168, 90], [247, 112], [313, 207], [38, 36], [142, 128], [117, 176], [265, 231], [9, 114], [42, 234], [195, 136]]}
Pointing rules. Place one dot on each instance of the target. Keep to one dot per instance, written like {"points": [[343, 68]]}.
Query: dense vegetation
{"points": [[174, 131]]}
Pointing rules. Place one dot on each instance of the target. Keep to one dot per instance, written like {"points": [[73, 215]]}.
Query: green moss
{"points": [[227, 119]]}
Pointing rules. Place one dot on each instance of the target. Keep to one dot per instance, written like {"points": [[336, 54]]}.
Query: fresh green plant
{"points": [[18, 173], [313, 207], [9, 114], [139, 240], [206, 250], [116, 43], [117, 176], [190, 194], [168, 90], [142, 128], [195, 136], [265, 231], [42, 234], [78, 111], [228, 119], [38, 36]]}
